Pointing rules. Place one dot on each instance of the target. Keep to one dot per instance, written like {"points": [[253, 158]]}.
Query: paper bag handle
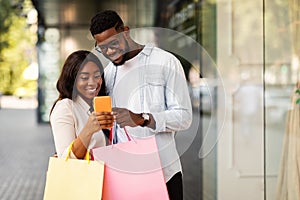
{"points": [[111, 136], [86, 157]]}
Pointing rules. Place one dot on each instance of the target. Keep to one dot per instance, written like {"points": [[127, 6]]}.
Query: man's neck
{"points": [[135, 49]]}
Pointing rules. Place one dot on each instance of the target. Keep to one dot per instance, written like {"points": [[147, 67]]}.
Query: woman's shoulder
{"points": [[64, 102], [62, 106]]}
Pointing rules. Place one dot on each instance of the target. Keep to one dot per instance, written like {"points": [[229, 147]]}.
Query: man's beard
{"points": [[124, 59]]}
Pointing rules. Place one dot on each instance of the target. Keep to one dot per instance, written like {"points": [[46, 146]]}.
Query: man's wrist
{"points": [[146, 119]]}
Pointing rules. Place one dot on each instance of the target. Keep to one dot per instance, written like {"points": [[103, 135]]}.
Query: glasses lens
{"points": [[112, 45]]}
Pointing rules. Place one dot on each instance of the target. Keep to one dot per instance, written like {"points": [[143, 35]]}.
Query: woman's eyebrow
{"points": [[97, 71], [83, 73]]}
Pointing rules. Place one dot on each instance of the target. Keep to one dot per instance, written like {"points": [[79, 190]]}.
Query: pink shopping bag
{"points": [[132, 171]]}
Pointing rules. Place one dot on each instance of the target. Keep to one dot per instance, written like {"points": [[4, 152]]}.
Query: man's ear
{"points": [[126, 31]]}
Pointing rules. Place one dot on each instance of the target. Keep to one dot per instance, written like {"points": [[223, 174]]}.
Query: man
{"points": [[149, 92]]}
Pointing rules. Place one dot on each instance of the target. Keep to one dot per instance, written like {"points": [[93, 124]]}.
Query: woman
{"points": [[71, 116]]}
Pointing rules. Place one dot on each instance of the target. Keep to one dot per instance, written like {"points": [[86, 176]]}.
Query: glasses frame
{"points": [[114, 44], [118, 26]]}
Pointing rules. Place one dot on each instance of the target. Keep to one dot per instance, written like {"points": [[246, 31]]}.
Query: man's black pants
{"points": [[175, 188]]}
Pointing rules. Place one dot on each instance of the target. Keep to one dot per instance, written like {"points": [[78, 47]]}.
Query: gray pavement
{"points": [[25, 147]]}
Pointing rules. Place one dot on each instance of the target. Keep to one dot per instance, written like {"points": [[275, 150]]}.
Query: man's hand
{"points": [[125, 117]]}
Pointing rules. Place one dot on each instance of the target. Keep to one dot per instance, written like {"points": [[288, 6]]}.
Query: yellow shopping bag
{"points": [[72, 179]]}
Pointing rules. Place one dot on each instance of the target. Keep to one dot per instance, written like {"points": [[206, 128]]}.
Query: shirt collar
{"points": [[147, 49], [82, 103]]}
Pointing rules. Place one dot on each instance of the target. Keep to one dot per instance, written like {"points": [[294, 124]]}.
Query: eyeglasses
{"points": [[111, 45]]}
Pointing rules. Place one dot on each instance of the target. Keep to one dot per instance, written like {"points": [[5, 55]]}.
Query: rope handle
{"points": [[111, 135], [86, 157], [129, 139]]}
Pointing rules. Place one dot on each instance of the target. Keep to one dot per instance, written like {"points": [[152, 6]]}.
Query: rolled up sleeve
{"points": [[176, 113]]}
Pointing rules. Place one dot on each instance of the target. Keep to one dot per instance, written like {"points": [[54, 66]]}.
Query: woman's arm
{"points": [[96, 122], [63, 127], [64, 132]]}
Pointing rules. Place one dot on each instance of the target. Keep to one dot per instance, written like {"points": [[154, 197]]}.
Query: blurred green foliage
{"points": [[298, 93], [17, 47]]}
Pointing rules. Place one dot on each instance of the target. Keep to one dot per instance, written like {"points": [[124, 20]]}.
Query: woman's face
{"points": [[88, 82]]}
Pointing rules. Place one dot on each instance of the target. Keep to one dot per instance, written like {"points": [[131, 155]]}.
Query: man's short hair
{"points": [[105, 20]]}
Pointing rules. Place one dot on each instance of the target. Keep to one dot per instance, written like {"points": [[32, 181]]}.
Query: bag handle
{"points": [[86, 157], [129, 139], [111, 135]]}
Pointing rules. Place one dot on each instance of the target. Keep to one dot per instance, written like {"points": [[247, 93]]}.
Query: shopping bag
{"points": [[73, 179], [132, 171]]}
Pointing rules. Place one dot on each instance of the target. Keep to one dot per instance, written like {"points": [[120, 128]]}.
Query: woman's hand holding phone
{"points": [[103, 111]]}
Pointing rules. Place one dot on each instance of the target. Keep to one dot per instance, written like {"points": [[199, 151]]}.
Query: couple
{"points": [[148, 90]]}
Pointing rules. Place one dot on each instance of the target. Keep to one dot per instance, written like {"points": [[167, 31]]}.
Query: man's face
{"points": [[112, 45]]}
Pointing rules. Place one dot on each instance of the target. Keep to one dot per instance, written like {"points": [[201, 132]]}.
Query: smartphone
{"points": [[102, 104]]}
